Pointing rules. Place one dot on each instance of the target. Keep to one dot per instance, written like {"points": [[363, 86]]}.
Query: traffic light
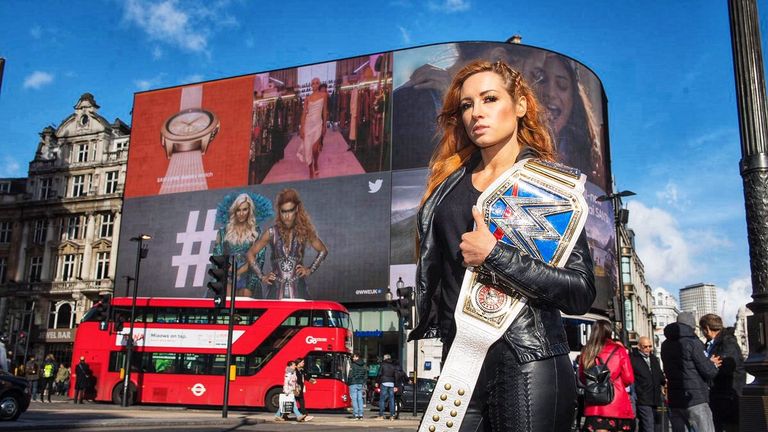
{"points": [[101, 312], [405, 306], [220, 274], [119, 323]]}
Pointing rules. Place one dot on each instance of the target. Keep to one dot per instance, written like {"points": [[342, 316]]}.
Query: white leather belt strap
{"points": [[526, 207], [482, 316]]}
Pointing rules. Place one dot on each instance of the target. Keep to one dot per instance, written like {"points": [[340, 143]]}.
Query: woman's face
{"points": [[315, 84], [242, 212], [288, 213], [489, 115], [555, 88]]}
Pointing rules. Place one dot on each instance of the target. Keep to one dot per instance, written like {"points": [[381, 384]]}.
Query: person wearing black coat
{"points": [[730, 380], [688, 372], [387, 381], [649, 379], [82, 380]]}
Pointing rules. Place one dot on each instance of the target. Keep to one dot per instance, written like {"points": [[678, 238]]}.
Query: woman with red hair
{"points": [[490, 120]]}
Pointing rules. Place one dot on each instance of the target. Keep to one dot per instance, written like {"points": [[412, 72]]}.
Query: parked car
{"points": [[404, 396], [14, 396]]}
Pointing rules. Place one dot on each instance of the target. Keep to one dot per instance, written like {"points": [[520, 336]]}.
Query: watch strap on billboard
{"points": [[539, 208], [185, 171]]}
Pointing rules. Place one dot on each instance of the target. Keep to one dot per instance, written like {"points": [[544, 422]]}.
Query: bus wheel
{"points": [[117, 394], [272, 400]]}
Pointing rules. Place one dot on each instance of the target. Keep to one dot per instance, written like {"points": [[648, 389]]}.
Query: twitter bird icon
{"points": [[374, 186]]}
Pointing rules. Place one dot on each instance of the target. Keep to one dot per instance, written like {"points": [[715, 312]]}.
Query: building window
{"points": [[82, 152], [110, 185], [45, 190], [73, 228], [41, 231], [78, 186], [5, 231], [68, 271], [61, 316], [5, 187], [107, 224], [102, 265], [3, 268], [626, 274], [119, 145], [629, 315], [35, 268]]}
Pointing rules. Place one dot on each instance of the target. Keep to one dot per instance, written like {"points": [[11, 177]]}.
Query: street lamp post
{"points": [[140, 253], [615, 199], [128, 281]]}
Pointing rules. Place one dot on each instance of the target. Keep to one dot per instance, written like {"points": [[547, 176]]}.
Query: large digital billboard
{"points": [[213, 166]]}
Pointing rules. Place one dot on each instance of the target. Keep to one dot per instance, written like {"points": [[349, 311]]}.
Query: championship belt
{"points": [[539, 208]]}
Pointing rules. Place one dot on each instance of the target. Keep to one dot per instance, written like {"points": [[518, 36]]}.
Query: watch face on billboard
{"points": [[312, 176]]}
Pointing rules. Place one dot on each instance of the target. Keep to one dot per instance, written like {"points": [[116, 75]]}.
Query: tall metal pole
{"points": [[415, 372], [129, 345], [753, 127], [29, 330], [230, 330]]}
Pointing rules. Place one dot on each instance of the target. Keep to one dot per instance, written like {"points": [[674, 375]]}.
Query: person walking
{"points": [[49, 375], [730, 379], [688, 371], [82, 380], [302, 376], [32, 370], [649, 380], [289, 388], [387, 385], [357, 376], [616, 415]]}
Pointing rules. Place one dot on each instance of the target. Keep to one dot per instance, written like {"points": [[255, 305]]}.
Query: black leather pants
{"points": [[538, 396]]}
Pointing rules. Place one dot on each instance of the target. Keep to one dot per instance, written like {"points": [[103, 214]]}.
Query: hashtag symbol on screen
{"points": [[188, 239]]}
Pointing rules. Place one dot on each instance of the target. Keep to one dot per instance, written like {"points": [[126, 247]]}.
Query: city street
{"points": [[64, 415]]}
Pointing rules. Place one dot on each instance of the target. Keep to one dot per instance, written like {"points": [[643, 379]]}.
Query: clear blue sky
{"points": [[666, 68]]}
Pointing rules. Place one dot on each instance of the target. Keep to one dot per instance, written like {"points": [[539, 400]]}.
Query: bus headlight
{"points": [[344, 397]]}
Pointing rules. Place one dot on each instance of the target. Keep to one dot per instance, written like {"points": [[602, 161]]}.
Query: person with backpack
{"points": [[49, 375], [604, 373]]}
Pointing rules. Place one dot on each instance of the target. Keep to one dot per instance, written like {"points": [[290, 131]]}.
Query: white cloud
{"points": [[146, 84], [405, 34], [670, 194], [730, 299], [157, 53], [163, 21], [192, 78], [450, 6], [10, 167], [661, 245], [37, 80]]}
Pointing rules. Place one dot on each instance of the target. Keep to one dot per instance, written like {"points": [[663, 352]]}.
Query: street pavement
{"points": [[62, 414]]}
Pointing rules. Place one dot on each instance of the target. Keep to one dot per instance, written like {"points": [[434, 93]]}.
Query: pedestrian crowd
{"points": [[699, 383]]}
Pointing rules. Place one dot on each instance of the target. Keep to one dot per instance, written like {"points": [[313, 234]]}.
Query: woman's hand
{"points": [[269, 278], [302, 271], [477, 245]]}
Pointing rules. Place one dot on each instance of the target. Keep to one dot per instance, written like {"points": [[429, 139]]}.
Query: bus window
{"points": [[297, 319], [327, 365], [195, 316], [328, 318]]}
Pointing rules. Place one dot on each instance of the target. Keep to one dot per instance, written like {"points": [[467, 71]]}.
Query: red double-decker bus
{"points": [[180, 351]]}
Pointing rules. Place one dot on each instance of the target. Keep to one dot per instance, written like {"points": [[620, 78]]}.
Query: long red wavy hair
{"points": [[455, 146]]}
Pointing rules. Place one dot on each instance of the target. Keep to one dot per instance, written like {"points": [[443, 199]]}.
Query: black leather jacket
{"points": [[537, 333]]}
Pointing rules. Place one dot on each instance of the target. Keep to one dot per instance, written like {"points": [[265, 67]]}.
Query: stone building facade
{"points": [[62, 231]]}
